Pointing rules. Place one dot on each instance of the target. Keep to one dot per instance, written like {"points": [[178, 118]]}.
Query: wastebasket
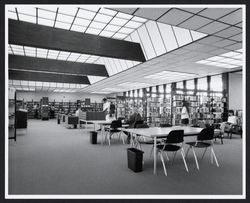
{"points": [[93, 137], [58, 121], [135, 158]]}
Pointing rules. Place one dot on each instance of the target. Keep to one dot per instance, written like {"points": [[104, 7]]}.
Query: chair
{"points": [[113, 129], [140, 122], [164, 125], [173, 142], [204, 140]]}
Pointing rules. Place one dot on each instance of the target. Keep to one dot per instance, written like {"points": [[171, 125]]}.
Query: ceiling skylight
{"points": [[87, 19]]}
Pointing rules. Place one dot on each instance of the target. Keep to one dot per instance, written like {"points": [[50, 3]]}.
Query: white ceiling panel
{"points": [[174, 17], [125, 10], [237, 37], [213, 28], [234, 46], [232, 18], [192, 10], [229, 32], [224, 43], [215, 13], [151, 13], [195, 22]]}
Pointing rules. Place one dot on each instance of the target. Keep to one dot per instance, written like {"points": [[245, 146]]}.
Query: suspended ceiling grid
{"points": [[223, 23]]}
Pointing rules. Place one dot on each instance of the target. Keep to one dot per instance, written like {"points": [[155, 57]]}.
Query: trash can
{"points": [[135, 158], [58, 121], [93, 137]]}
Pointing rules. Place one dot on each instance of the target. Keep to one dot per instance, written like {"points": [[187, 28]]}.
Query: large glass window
{"points": [[216, 83], [153, 90], [161, 89], [179, 85], [202, 84], [140, 93], [136, 93], [168, 88], [190, 84]]}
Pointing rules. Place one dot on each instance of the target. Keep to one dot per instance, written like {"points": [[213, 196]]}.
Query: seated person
{"points": [[231, 121], [136, 116]]}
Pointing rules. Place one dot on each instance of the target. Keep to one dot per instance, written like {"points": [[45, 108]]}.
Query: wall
{"points": [[235, 91], [58, 97]]}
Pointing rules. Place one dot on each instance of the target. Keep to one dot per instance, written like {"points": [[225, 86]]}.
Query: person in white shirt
{"points": [[184, 114], [78, 112], [106, 108]]}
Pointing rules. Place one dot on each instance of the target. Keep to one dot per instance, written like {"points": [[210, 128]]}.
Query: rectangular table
{"points": [[102, 123], [155, 132]]}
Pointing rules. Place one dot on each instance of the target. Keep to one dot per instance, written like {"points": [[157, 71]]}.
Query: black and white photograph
{"points": [[126, 101]]}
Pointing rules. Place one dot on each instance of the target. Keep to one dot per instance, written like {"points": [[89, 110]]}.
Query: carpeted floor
{"points": [[47, 158]]}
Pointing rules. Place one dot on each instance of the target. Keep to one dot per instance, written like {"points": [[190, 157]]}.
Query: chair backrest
{"points": [[175, 136], [116, 124], [144, 125], [138, 123], [206, 134], [163, 125]]}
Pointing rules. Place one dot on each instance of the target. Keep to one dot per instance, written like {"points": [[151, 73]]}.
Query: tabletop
{"points": [[158, 131]]}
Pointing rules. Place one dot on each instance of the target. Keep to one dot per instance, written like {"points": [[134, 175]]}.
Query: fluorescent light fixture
{"points": [[134, 84], [230, 59], [100, 92], [111, 89], [163, 75]]}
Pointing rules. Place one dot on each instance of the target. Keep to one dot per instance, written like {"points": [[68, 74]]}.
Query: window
{"points": [[216, 83], [136, 93], [202, 84], [140, 93], [179, 85], [153, 90], [190, 84], [168, 88], [161, 89]]}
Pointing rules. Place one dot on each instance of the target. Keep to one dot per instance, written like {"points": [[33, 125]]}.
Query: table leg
{"points": [[155, 155], [101, 127], [131, 139]]}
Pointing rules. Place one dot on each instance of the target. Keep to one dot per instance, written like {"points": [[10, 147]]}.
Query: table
{"points": [[155, 132], [102, 124]]}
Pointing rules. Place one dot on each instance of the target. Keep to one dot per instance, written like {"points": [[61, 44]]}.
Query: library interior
{"points": [[132, 100]]}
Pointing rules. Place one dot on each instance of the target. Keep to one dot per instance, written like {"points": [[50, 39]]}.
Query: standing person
{"points": [[112, 109], [106, 108], [184, 114], [78, 111]]}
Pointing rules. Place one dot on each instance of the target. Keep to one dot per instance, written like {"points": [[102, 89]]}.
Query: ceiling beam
{"points": [[29, 34], [52, 65], [47, 77]]}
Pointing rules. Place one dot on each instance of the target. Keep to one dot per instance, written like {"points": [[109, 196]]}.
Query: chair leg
{"points": [[187, 151], [174, 157], [167, 155], [123, 142], [151, 151], [164, 167], [183, 157], [204, 153], [211, 155], [212, 149], [196, 161]]}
